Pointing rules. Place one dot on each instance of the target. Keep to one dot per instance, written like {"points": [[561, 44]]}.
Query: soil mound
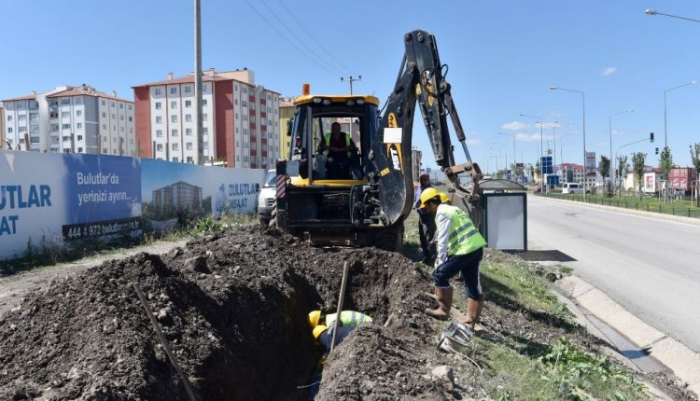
{"points": [[233, 307]]}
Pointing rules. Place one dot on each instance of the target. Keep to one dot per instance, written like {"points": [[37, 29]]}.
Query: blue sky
{"points": [[502, 55]]}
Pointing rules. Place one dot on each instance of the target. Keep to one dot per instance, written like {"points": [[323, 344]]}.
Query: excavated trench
{"points": [[233, 308]]}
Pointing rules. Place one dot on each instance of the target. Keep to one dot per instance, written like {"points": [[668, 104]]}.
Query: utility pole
{"points": [[198, 81], [350, 79]]}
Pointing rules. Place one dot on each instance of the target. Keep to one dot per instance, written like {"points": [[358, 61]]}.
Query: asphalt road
{"points": [[650, 266]]}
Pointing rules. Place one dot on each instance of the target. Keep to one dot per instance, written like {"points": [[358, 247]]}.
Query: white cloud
{"points": [[474, 142], [609, 71], [514, 126], [521, 137]]}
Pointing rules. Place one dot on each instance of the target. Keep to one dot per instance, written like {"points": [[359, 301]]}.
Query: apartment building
{"points": [[240, 120], [70, 120], [2, 131]]}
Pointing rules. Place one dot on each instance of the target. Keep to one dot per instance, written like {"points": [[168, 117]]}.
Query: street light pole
{"points": [[612, 164], [665, 109], [654, 12], [541, 135], [501, 133], [583, 103]]}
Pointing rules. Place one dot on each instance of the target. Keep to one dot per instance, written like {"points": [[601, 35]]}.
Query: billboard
{"points": [[53, 199], [590, 164]]}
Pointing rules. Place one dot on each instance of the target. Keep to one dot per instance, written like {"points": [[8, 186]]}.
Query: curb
{"points": [[681, 360]]}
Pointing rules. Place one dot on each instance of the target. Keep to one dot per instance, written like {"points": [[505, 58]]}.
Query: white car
{"points": [[266, 198], [573, 188]]}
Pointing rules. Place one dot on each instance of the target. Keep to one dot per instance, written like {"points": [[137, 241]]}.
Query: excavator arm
{"points": [[420, 81]]}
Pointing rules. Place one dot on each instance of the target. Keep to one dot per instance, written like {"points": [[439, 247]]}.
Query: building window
{"points": [[173, 132], [188, 131], [159, 133], [159, 147], [78, 113], [64, 114], [188, 89], [80, 150], [235, 102], [188, 103], [156, 91], [173, 118], [189, 146], [121, 105], [158, 105], [64, 126], [173, 105], [103, 102], [159, 120], [65, 101], [188, 118], [173, 90], [175, 159], [204, 117], [131, 119], [79, 125], [204, 102], [176, 146], [129, 108], [244, 103]]}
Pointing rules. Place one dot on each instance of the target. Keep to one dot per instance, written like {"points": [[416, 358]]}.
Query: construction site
{"points": [[232, 310]]}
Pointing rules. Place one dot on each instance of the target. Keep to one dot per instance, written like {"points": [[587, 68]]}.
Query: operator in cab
{"points": [[339, 149]]}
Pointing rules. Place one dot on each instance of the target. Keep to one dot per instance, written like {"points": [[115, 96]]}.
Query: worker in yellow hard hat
{"points": [[459, 250], [426, 224], [323, 333], [347, 318]]}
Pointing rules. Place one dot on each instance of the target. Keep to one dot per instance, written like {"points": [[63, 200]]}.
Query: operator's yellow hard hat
{"points": [[318, 330], [314, 317], [444, 198], [428, 194]]}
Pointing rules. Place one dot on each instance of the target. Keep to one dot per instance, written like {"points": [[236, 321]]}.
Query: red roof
{"points": [[86, 91], [26, 97], [183, 80]]}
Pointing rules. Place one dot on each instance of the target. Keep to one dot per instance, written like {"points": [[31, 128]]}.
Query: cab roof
{"points": [[336, 98]]}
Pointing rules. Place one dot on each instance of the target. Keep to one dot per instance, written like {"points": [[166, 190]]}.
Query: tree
{"points": [[666, 162], [516, 171], [638, 164], [604, 170], [695, 157], [622, 167]]}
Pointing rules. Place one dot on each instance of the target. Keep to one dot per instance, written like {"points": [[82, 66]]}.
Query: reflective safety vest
{"points": [[349, 318], [464, 237], [327, 140]]}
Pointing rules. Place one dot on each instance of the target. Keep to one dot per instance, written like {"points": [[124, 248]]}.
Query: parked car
{"points": [[266, 197]]}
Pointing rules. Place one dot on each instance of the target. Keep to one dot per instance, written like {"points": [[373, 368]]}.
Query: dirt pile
{"points": [[233, 307]]}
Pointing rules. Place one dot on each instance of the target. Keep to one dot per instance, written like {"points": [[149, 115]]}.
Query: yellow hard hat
{"points": [[428, 194], [314, 317], [444, 198], [318, 330]]}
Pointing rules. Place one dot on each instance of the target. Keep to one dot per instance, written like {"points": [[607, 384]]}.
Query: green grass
{"points": [[47, 253], [649, 204]]}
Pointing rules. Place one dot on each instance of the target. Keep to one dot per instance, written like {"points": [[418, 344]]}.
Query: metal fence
{"points": [[647, 204]]}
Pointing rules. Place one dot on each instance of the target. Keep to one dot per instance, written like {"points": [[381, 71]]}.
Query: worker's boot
{"points": [[444, 300], [474, 307]]}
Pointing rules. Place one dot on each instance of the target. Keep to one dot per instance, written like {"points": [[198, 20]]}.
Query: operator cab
{"points": [[310, 134]]}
